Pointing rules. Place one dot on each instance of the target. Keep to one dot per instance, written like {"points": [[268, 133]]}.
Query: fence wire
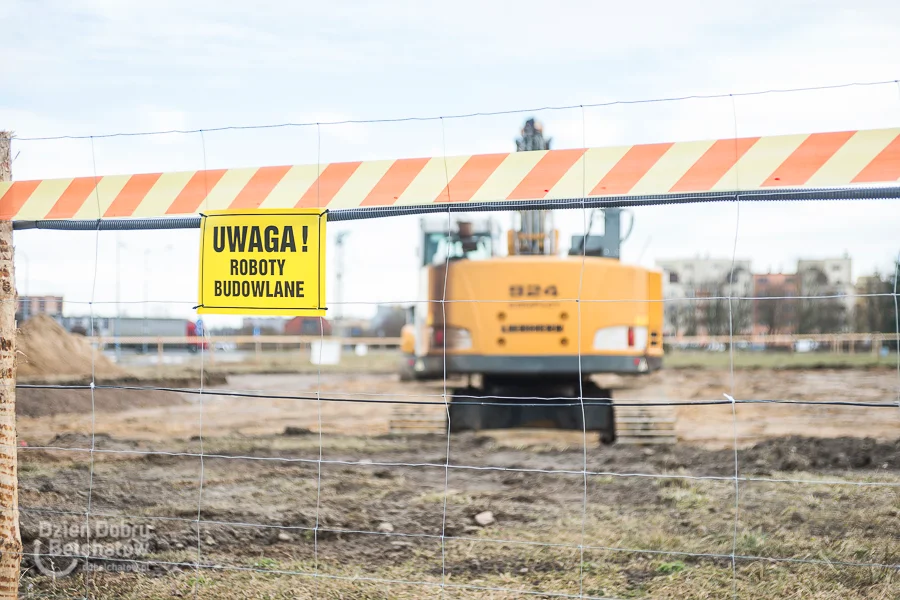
{"points": [[447, 581], [319, 124]]}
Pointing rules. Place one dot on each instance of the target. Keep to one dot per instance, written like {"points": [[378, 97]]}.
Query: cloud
{"points": [[158, 119], [103, 65]]}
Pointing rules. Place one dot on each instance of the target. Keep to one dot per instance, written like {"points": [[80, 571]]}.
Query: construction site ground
{"points": [[381, 509]]}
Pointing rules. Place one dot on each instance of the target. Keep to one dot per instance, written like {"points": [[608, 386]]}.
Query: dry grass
{"points": [[376, 361], [637, 530], [640, 533], [776, 360]]}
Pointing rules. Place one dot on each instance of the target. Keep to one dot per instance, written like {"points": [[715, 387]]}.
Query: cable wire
{"points": [[835, 86], [511, 399]]}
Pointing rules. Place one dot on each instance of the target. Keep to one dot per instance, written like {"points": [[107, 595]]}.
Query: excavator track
{"points": [[645, 425], [418, 419], [635, 424]]}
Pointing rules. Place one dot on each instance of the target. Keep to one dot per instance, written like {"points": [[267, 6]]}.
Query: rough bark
{"points": [[10, 538]]}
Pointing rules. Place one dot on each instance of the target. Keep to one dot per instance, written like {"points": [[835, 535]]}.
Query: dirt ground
{"points": [[42, 402], [360, 513], [165, 415]]}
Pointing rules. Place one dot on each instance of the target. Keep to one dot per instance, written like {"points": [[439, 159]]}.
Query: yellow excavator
{"points": [[532, 327]]}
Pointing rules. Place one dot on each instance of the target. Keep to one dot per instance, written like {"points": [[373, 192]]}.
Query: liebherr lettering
{"points": [[532, 328]]}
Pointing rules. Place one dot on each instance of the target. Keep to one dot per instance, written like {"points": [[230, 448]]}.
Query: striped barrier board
{"points": [[754, 163]]}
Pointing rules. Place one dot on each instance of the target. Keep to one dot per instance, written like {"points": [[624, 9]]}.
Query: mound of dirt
{"points": [[791, 453], [46, 349], [797, 453], [42, 402]]}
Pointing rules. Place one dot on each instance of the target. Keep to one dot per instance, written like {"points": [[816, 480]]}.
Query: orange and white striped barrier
{"points": [[804, 160]]}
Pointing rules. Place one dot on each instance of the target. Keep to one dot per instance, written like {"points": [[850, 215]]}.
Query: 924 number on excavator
{"points": [[531, 291]]}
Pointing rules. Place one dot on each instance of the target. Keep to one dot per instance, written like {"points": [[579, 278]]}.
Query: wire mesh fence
{"points": [[290, 479]]}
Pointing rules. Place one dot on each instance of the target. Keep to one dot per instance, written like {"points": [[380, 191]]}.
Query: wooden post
{"points": [[10, 538]]}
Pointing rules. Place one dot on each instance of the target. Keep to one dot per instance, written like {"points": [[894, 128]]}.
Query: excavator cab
{"points": [[444, 241]]}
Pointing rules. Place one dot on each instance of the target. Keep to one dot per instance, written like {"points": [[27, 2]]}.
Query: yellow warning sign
{"points": [[262, 261]]}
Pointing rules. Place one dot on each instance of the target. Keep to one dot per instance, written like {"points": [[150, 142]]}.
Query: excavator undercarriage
{"points": [[515, 401]]}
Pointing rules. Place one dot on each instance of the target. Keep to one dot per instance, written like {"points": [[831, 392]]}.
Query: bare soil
{"points": [[40, 402], [817, 516], [172, 415]]}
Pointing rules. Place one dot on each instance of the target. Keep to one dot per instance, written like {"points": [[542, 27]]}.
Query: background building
{"points": [[388, 321], [697, 290], [307, 326], [818, 298], [29, 306], [125, 326], [265, 325]]}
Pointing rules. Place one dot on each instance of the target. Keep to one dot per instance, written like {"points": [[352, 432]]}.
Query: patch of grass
{"points": [[199, 581], [670, 568], [265, 563], [775, 360], [453, 497], [750, 544], [681, 493], [683, 499], [273, 362]]}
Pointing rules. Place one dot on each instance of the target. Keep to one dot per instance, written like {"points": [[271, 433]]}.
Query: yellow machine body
{"points": [[538, 315]]}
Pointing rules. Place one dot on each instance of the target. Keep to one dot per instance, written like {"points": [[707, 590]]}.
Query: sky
{"points": [[94, 67]]}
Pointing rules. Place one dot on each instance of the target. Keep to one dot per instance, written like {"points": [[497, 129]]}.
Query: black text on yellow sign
{"points": [[269, 262]]}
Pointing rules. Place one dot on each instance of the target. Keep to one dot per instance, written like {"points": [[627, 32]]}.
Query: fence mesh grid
{"points": [[452, 577]]}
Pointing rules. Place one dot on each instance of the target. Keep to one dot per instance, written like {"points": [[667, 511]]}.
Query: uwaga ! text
{"points": [[253, 239]]}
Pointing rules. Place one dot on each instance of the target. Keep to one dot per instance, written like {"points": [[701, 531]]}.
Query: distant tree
{"points": [[691, 321], [682, 316], [895, 289], [822, 315], [820, 310], [721, 314], [778, 314], [388, 322], [893, 319], [742, 314], [875, 309], [713, 314]]}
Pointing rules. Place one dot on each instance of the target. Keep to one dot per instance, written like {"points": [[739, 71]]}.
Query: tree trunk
{"points": [[10, 539]]}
